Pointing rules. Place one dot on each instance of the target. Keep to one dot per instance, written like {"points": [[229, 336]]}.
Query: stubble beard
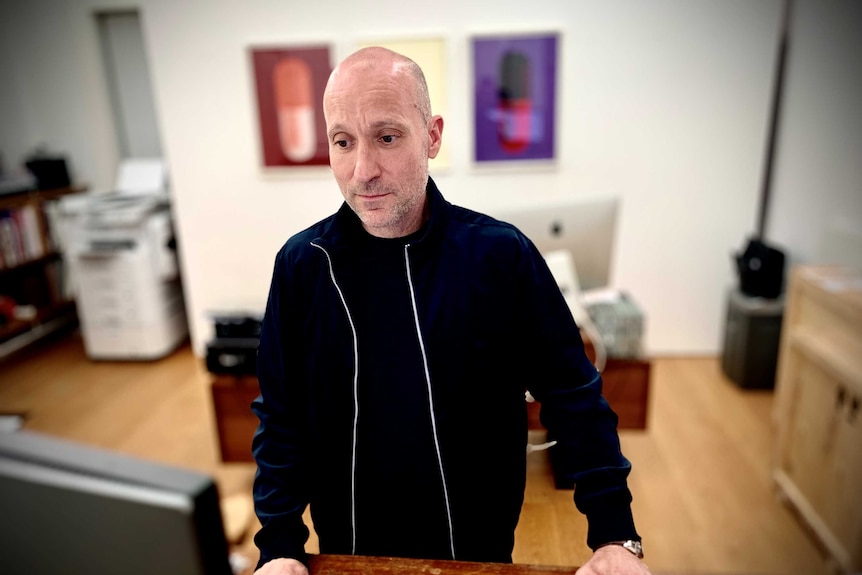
{"points": [[395, 216]]}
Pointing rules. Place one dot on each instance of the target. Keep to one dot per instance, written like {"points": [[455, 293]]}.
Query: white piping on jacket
{"points": [[430, 399], [355, 399]]}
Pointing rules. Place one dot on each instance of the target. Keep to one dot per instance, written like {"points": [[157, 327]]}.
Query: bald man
{"points": [[399, 338]]}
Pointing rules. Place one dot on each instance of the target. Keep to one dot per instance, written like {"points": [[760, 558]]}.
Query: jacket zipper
{"points": [[355, 399], [430, 399]]}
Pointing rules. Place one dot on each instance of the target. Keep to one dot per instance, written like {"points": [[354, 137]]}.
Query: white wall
{"points": [[663, 103], [52, 88], [128, 76], [818, 175]]}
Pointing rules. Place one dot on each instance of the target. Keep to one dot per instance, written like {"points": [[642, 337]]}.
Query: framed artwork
{"points": [[430, 54], [289, 83], [514, 83]]}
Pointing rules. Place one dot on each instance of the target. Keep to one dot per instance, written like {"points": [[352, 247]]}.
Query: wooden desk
{"points": [[356, 565]]}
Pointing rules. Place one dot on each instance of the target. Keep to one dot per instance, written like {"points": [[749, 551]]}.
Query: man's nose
{"points": [[367, 165]]}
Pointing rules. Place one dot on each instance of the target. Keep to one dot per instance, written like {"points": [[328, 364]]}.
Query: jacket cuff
{"points": [[612, 523], [303, 557], [277, 544]]}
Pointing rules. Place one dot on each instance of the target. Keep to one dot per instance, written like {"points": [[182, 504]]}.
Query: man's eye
{"points": [[341, 143], [388, 139]]}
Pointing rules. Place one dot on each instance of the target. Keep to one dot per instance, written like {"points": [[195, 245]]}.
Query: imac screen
{"points": [[585, 227]]}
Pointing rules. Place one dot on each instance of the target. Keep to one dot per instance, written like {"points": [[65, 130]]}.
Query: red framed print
{"points": [[289, 83]]}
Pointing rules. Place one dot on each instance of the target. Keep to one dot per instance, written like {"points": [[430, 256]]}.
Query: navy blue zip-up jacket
{"points": [[491, 323]]}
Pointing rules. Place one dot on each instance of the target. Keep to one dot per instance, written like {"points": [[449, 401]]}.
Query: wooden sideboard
{"points": [[817, 463], [625, 381], [625, 385], [232, 396]]}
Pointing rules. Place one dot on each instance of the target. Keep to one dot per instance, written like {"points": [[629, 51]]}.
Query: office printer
{"points": [[121, 250]]}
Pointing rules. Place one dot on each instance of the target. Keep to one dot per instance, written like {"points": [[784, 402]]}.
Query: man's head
{"points": [[381, 134]]}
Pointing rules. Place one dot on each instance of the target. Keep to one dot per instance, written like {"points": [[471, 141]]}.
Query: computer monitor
{"points": [[584, 226], [68, 508]]}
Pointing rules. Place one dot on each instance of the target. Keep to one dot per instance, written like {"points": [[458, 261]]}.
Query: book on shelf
{"points": [[9, 244], [21, 236], [27, 217]]}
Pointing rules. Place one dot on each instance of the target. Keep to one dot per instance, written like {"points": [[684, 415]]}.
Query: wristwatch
{"points": [[635, 547]]}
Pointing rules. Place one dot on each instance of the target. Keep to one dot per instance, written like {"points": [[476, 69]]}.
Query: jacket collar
{"points": [[345, 229]]}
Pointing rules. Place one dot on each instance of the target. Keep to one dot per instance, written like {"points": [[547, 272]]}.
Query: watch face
{"points": [[635, 547]]}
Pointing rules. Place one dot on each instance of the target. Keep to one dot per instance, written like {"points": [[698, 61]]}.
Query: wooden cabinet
{"points": [[31, 271], [818, 408]]}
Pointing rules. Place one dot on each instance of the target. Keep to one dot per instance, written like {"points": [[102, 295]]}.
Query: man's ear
{"points": [[435, 135]]}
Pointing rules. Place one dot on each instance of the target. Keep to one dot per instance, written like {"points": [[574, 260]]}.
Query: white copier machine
{"points": [[122, 255]]}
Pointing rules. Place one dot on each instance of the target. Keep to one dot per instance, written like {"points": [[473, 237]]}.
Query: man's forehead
{"points": [[367, 96], [359, 80], [381, 60], [359, 113]]}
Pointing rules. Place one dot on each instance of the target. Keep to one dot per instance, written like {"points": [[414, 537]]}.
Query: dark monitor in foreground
{"points": [[66, 508]]}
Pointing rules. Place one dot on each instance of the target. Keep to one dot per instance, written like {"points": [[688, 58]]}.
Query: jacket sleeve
{"points": [[573, 409], [279, 445]]}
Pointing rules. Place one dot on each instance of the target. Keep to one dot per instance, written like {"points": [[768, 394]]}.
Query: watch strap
{"points": [[634, 546]]}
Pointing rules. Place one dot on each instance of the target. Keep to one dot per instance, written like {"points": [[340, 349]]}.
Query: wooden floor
{"points": [[703, 498]]}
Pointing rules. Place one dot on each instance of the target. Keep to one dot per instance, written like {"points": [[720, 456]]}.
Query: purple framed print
{"points": [[514, 79]]}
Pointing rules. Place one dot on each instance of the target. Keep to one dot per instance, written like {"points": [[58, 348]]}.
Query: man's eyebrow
{"points": [[334, 130], [375, 126], [389, 124]]}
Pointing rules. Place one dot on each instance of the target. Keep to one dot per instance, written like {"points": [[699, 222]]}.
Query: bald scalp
{"points": [[398, 66]]}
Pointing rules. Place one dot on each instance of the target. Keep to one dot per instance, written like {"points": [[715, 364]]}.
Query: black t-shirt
{"points": [[400, 506]]}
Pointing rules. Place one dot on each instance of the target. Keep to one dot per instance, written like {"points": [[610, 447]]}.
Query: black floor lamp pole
{"points": [[777, 88]]}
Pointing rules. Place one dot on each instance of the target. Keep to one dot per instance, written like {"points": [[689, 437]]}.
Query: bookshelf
{"points": [[33, 298]]}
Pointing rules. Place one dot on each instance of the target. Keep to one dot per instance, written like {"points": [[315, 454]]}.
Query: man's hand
{"points": [[282, 567], [613, 560]]}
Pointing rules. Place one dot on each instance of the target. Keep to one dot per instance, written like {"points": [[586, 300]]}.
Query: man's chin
{"points": [[375, 221]]}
